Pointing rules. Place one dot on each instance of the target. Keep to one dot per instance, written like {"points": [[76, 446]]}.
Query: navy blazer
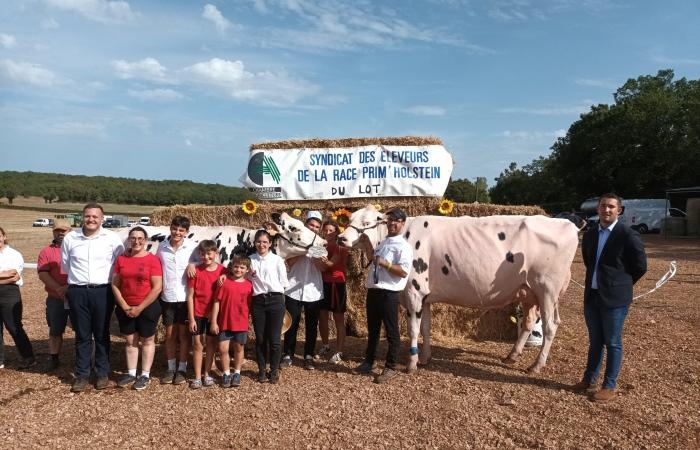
{"points": [[622, 263]]}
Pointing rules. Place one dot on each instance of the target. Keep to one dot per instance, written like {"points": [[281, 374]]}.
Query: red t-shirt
{"points": [[336, 274], [233, 298], [50, 261], [135, 275], [204, 284]]}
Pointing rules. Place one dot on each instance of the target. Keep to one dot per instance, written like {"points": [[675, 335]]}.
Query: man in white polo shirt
{"points": [[388, 275], [87, 255]]}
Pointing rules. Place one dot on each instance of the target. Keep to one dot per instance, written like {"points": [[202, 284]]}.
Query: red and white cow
{"points": [[290, 237], [486, 262]]}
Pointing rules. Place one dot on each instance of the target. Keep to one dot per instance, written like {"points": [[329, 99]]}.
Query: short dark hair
{"points": [[611, 195], [239, 259], [207, 246], [313, 218], [93, 205], [396, 213], [180, 221], [332, 223], [262, 233], [138, 229]]}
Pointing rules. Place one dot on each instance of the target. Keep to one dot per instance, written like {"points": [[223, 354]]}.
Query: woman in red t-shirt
{"points": [[334, 295], [136, 283]]}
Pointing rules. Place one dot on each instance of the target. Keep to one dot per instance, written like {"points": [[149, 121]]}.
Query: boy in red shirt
{"points": [[229, 318], [200, 292]]}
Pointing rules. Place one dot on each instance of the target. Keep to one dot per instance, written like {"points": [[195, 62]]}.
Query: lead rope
{"points": [[663, 280]]}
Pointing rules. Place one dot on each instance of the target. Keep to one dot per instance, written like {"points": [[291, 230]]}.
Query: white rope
{"points": [[667, 276]]}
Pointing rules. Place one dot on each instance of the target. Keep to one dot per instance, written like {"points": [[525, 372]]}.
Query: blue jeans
{"points": [[604, 330]]}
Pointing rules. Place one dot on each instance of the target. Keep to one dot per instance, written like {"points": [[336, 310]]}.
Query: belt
{"points": [[88, 286], [267, 295]]}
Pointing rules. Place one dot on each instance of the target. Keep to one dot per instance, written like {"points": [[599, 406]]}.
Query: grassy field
{"points": [[110, 208]]}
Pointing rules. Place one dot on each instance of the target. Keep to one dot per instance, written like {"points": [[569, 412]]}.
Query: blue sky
{"points": [[180, 89]]}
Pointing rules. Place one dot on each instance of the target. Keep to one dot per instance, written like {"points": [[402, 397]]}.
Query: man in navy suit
{"points": [[615, 259]]}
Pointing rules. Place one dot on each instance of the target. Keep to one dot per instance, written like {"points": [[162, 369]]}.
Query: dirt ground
{"points": [[466, 398]]}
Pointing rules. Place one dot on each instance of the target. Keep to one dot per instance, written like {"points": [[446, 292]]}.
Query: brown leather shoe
{"points": [[387, 374], [584, 387], [102, 383], [604, 395], [79, 385]]}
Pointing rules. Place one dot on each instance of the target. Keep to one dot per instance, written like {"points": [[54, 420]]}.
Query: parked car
{"points": [[145, 220], [112, 223], [131, 223], [41, 222]]}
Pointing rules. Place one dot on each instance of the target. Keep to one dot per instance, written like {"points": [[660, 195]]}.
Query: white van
{"points": [[145, 220], [642, 214]]}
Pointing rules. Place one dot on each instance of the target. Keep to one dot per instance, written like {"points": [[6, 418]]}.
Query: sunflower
{"points": [[249, 207], [377, 206], [446, 207], [296, 212], [342, 216]]}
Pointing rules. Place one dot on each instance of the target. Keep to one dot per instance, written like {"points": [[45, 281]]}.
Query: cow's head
{"points": [[368, 222], [291, 235]]}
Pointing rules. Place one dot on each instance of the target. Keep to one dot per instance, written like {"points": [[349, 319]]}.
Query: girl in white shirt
{"points": [[11, 265], [269, 277]]}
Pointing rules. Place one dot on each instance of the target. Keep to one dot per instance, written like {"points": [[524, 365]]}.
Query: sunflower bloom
{"points": [[296, 212], [446, 207], [342, 216], [249, 207]]}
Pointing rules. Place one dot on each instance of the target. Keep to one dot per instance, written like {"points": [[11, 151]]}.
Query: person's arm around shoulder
{"points": [[635, 258]]}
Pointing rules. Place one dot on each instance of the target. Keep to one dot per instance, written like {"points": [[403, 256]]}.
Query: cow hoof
{"points": [[534, 370], [510, 360], [424, 363], [410, 369]]}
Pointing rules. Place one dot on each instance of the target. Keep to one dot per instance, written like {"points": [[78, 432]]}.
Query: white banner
{"points": [[369, 171]]}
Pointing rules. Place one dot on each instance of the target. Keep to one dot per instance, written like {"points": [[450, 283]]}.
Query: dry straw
{"points": [[347, 142], [447, 320]]}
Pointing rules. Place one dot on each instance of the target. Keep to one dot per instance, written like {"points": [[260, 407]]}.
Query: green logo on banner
{"points": [[269, 167], [260, 164]]}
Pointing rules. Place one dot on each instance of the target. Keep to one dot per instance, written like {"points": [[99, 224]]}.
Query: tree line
{"points": [[645, 142], [53, 187]]}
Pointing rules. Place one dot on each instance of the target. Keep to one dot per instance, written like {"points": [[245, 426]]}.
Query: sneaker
{"points": [[364, 368], [337, 358], [27, 363], [168, 377], [196, 384], [274, 377], [236, 380], [51, 365], [208, 381], [326, 349], [2, 365], [180, 377], [226, 380], [126, 380], [387, 374], [286, 361], [102, 383], [309, 363], [142, 382], [79, 385], [262, 377]]}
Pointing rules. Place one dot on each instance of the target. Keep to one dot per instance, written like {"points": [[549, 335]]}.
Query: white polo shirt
{"points": [[89, 260], [270, 273], [396, 250], [12, 259], [174, 262], [305, 281]]}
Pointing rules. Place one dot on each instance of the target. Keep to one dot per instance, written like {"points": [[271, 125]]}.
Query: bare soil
{"points": [[465, 398]]}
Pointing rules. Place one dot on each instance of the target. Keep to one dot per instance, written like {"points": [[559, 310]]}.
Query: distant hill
{"points": [[130, 191]]}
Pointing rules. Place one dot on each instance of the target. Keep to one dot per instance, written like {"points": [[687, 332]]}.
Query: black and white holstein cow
{"points": [[290, 237], [486, 262]]}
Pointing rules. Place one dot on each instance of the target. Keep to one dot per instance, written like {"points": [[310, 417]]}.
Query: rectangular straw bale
{"points": [[347, 142]]}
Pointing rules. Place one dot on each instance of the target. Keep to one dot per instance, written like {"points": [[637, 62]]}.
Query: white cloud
{"points": [[74, 128], [679, 61], [593, 82], [268, 88], [49, 24], [158, 95], [27, 73], [7, 41], [546, 111], [104, 11], [425, 110], [146, 69], [188, 143], [349, 25], [212, 13], [532, 135]]}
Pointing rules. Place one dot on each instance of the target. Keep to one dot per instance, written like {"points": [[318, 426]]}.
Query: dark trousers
{"points": [[311, 310], [268, 314], [383, 308], [11, 315], [90, 313]]}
